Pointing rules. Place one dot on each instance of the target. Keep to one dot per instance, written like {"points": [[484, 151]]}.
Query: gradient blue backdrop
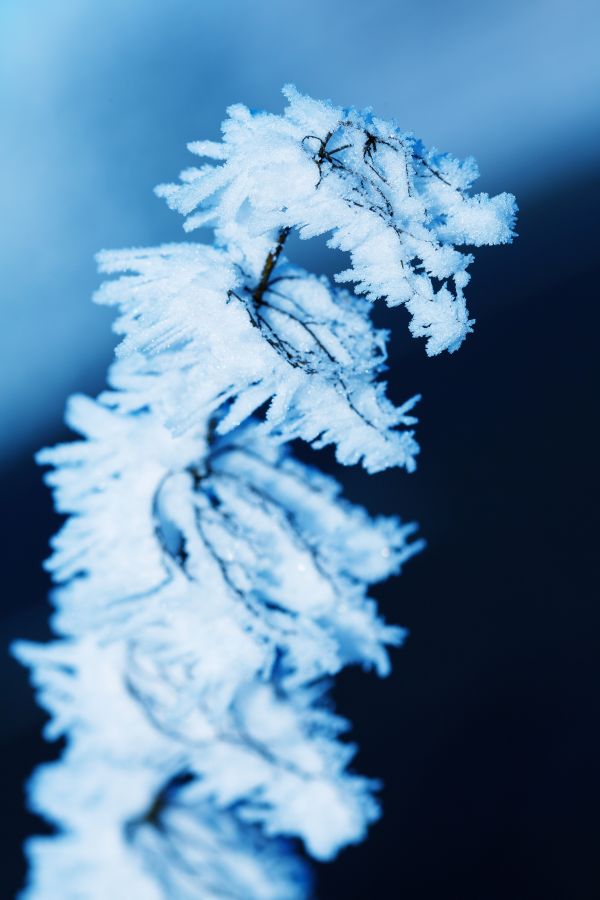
{"points": [[486, 733], [99, 99]]}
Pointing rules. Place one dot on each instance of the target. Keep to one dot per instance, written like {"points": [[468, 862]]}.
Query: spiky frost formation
{"points": [[209, 585], [401, 211]]}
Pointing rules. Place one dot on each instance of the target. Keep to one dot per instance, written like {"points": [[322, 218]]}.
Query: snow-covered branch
{"points": [[208, 584]]}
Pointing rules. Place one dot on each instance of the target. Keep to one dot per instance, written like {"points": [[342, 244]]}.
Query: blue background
{"points": [[486, 734]]}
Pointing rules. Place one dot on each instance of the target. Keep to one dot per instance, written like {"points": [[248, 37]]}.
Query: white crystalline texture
{"points": [[195, 340], [208, 584], [401, 212]]}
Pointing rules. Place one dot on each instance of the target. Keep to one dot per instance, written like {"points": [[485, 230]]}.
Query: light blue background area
{"points": [[99, 99]]}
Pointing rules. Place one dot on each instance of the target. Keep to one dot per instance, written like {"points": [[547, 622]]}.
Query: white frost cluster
{"points": [[400, 211], [209, 585], [196, 340]]}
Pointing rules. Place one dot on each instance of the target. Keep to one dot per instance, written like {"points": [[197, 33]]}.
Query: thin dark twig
{"points": [[308, 329], [431, 168], [269, 265]]}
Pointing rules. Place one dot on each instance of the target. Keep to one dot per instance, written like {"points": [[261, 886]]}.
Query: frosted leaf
{"points": [[310, 351]]}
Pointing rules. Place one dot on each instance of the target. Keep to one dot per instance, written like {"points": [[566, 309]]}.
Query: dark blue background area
{"points": [[486, 735]]}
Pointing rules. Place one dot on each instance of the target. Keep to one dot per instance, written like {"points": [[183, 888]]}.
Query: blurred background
{"points": [[486, 735]]}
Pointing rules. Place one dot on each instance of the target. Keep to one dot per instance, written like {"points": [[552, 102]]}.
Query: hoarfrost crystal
{"points": [[209, 584]]}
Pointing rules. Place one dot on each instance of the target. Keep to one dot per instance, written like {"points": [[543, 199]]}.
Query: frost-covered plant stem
{"points": [[209, 584]]}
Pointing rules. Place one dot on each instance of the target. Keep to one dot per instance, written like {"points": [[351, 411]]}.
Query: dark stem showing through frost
{"points": [[270, 263], [240, 577]]}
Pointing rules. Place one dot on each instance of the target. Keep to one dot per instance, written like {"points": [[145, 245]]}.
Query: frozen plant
{"points": [[209, 585]]}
